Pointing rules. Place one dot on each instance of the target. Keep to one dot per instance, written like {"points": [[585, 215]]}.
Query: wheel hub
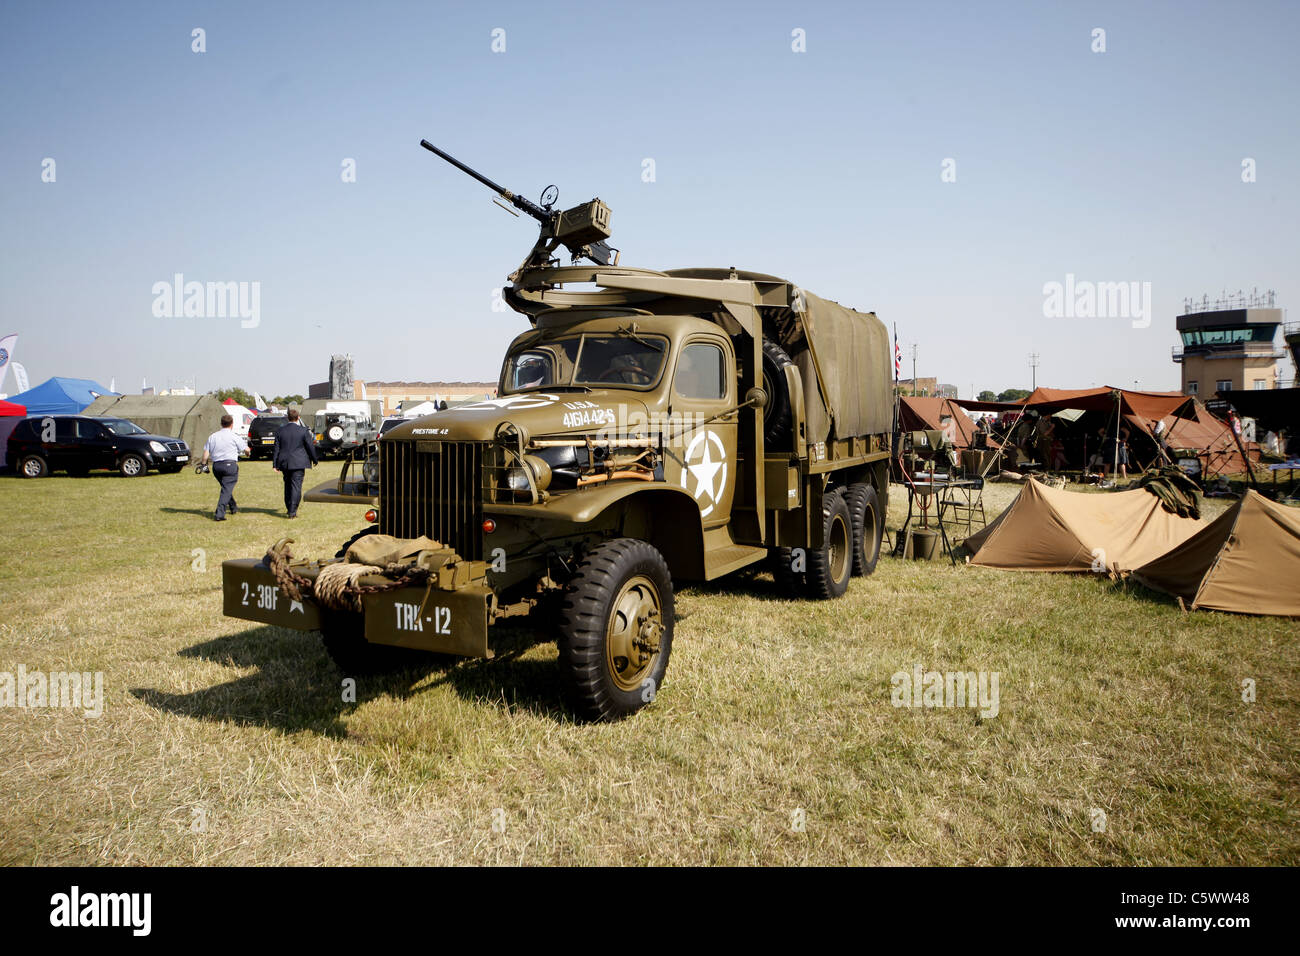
{"points": [[633, 636]]}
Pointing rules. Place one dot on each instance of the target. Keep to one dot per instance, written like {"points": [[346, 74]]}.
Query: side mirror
{"points": [[756, 397]]}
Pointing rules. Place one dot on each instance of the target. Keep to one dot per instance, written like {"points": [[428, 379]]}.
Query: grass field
{"points": [[224, 743]]}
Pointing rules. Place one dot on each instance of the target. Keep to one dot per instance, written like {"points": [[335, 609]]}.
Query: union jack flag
{"points": [[898, 355]]}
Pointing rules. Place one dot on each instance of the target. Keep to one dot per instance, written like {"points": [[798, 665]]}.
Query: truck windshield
{"points": [[593, 359]]}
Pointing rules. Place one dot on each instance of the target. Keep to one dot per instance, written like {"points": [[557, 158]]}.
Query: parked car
{"points": [[78, 443], [338, 433], [261, 435]]}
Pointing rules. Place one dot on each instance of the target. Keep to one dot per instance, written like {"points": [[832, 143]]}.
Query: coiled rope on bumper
{"points": [[335, 586]]}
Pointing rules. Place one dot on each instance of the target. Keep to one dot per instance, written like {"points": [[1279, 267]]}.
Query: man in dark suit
{"points": [[295, 452]]}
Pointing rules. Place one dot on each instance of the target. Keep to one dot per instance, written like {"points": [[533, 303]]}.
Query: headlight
{"points": [[158, 446], [517, 479], [541, 469]]}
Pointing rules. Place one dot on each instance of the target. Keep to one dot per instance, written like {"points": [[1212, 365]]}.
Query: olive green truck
{"points": [[650, 428]]}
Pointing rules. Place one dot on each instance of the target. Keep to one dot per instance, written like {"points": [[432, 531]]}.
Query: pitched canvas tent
{"points": [[1247, 561], [1049, 530], [60, 396], [1210, 440], [192, 418], [922, 413]]}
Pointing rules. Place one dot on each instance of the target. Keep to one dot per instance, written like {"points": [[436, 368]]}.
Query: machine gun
{"points": [[582, 230]]}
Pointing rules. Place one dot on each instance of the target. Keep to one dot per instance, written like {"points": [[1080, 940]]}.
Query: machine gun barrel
{"points": [[519, 202]]}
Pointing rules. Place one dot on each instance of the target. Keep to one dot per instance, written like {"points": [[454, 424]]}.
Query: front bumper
{"points": [[169, 459], [417, 617]]}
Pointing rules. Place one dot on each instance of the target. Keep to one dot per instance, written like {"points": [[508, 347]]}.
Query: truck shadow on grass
{"points": [[748, 583], [296, 687]]}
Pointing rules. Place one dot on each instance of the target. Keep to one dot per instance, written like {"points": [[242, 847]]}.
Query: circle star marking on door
{"points": [[706, 463]]}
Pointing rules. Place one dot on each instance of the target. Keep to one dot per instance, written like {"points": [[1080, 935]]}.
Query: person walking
{"points": [[295, 452], [1121, 451], [223, 449]]}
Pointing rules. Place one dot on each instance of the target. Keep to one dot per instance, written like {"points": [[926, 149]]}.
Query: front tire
{"points": [[830, 566], [616, 629], [132, 466], [33, 466]]}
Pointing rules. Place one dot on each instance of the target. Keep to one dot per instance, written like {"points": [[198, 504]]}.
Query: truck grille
{"points": [[433, 488]]}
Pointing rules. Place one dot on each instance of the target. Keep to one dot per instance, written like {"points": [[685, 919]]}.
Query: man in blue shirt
{"points": [[223, 449], [295, 452]]}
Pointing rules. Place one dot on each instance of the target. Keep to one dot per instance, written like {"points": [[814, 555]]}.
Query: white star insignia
{"points": [[705, 471]]}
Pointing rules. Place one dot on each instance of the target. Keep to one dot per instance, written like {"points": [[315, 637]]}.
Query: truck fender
{"points": [[663, 515]]}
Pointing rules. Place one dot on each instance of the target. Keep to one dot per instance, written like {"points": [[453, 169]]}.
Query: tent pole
{"points": [[1115, 467]]}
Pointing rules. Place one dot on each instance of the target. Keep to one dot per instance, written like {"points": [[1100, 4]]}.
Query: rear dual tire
{"points": [[831, 566], [868, 527], [852, 527]]}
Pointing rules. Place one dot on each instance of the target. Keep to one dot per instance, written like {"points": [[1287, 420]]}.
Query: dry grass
{"points": [[1109, 699]]}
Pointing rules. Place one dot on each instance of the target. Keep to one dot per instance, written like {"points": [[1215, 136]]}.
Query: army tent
{"points": [[192, 418], [1049, 530], [1198, 434], [1247, 561], [1190, 430], [60, 396], [920, 413]]}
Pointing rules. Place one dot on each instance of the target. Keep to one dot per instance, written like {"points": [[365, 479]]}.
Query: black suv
{"points": [[261, 435], [77, 443]]}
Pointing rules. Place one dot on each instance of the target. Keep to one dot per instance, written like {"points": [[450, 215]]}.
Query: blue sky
{"points": [[822, 166]]}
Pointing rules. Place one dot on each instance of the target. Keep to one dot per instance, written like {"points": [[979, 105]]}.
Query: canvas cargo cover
{"points": [[1049, 530], [1246, 561], [191, 418], [852, 355]]}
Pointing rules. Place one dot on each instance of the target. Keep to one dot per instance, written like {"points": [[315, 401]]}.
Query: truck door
{"points": [[702, 457]]}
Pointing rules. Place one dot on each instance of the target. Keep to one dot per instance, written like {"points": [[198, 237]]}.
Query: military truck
{"points": [[651, 428]]}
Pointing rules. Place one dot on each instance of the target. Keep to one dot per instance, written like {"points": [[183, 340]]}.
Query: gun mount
{"points": [[582, 229]]}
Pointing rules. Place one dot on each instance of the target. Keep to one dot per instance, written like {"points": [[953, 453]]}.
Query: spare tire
{"points": [[335, 433], [778, 421]]}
